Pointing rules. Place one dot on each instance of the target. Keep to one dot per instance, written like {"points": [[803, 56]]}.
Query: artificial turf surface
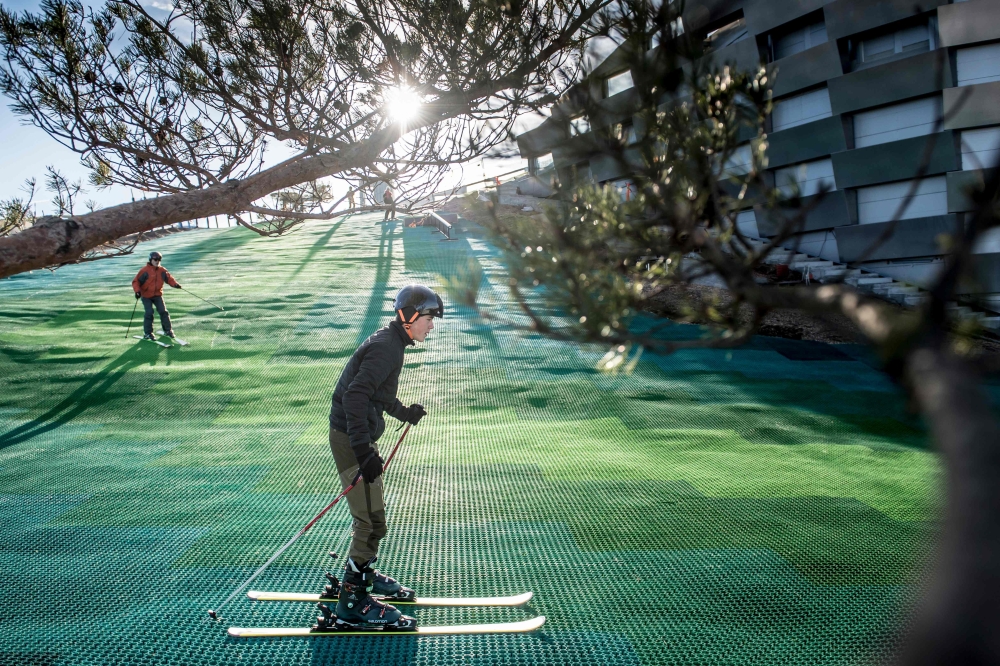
{"points": [[763, 505]]}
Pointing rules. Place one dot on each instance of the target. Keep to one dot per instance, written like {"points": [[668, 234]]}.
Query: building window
{"points": [[798, 39], [625, 133], [729, 34], [901, 42], [899, 121], [800, 109], [740, 162], [807, 178], [981, 148], [978, 64], [617, 83], [746, 222], [541, 163], [881, 203], [579, 125]]}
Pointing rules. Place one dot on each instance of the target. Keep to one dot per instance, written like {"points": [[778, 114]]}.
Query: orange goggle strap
{"points": [[407, 322]]}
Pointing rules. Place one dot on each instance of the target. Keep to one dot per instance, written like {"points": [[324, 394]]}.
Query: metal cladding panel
{"points": [[831, 210], [743, 55], [972, 106], [961, 186], [806, 142], [895, 81], [805, 69], [765, 15], [898, 160], [984, 275], [968, 23], [910, 238], [543, 139], [849, 17], [606, 167]]}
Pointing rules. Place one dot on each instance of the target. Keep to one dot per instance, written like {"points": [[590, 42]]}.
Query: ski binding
{"points": [[319, 629], [162, 344], [180, 342], [331, 593]]}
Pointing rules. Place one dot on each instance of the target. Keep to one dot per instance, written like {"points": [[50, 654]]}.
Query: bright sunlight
{"points": [[402, 103]]}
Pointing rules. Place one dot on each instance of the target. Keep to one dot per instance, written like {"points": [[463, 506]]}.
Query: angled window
{"points": [[896, 122], [617, 83], [981, 148], [542, 163], [735, 31], [880, 203], [739, 163], [800, 109], [746, 222], [625, 133], [978, 64], [789, 42], [579, 125], [808, 178], [901, 41]]}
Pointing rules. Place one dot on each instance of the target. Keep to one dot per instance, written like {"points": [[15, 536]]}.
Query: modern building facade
{"points": [[859, 89]]}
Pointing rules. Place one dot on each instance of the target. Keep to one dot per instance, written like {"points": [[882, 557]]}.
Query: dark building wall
{"points": [[898, 160], [911, 238], [969, 22], [901, 78], [896, 81]]}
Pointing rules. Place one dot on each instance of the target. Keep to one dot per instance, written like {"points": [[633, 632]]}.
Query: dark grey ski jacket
{"points": [[367, 388]]}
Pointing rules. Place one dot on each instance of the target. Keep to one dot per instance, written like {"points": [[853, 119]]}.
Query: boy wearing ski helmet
{"points": [[148, 285], [366, 389]]}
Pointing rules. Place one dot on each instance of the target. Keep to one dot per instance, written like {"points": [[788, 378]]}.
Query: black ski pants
{"points": [[365, 500], [147, 320]]}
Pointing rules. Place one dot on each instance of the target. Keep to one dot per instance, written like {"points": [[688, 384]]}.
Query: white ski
{"points": [[512, 600], [458, 629], [162, 344], [182, 343]]}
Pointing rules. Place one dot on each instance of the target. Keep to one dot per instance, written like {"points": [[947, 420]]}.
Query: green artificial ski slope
{"points": [[766, 505]]}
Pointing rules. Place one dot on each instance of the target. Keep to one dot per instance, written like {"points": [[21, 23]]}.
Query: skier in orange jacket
{"points": [[148, 285]]}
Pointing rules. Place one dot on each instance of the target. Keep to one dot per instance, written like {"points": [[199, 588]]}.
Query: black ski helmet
{"points": [[155, 255], [414, 300]]}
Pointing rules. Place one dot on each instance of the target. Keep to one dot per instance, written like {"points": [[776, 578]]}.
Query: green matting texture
{"points": [[766, 505]]}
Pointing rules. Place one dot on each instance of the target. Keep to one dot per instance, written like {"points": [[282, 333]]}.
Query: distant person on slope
{"points": [[148, 285], [366, 389], [389, 201]]}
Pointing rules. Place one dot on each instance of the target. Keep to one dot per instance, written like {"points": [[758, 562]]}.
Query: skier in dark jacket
{"points": [[148, 285], [366, 389]]}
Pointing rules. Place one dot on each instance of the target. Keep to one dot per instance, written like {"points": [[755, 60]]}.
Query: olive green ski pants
{"points": [[365, 500]]}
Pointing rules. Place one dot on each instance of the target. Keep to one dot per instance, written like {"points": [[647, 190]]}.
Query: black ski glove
{"points": [[414, 413], [138, 295], [178, 286], [371, 466]]}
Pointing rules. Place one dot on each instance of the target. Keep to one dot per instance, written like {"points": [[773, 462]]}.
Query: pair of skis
{"points": [[320, 630], [180, 342]]}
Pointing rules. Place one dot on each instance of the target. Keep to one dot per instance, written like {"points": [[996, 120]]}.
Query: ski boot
{"points": [[357, 609], [385, 586], [170, 334], [149, 336]]}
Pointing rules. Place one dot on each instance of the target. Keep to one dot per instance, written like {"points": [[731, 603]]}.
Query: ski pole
{"points": [[214, 613], [130, 318], [205, 299]]}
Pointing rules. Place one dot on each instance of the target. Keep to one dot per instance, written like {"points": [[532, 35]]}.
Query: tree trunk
{"points": [[958, 621]]}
